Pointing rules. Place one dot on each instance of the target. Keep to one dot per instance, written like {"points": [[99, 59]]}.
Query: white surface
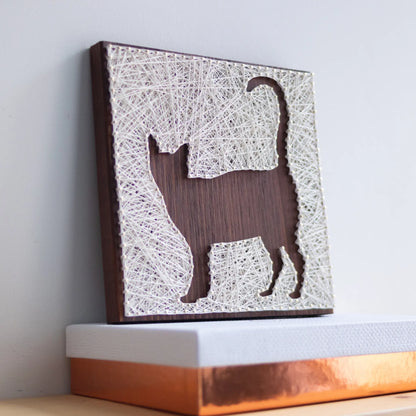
{"points": [[205, 344], [362, 53]]}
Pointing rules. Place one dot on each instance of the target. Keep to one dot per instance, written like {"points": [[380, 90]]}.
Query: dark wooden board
{"points": [[234, 206], [108, 203]]}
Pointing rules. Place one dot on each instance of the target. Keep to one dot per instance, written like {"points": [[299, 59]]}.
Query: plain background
{"points": [[363, 56]]}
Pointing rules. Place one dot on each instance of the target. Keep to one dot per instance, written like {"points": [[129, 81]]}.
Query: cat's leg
{"points": [[200, 284], [277, 268], [299, 263]]}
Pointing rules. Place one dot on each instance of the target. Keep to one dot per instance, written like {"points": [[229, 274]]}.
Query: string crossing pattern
{"points": [[183, 99]]}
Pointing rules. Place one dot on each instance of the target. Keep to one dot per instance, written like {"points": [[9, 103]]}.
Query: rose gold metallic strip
{"points": [[160, 387], [266, 386], [220, 390]]}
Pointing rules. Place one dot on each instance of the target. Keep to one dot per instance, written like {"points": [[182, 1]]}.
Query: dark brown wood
{"points": [[234, 206], [226, 315], [110, 232]]}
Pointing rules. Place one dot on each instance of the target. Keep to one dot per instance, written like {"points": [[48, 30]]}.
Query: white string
{"points": [[203, 102]]}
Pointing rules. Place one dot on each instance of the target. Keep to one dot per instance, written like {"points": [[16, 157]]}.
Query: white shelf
{"points": [[223, 343]]}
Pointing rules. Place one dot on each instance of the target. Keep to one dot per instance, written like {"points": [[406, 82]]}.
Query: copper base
{"points": [[233, 389]]}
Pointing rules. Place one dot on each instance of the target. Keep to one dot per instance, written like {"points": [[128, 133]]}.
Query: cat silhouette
{"points": [[234, 206]]}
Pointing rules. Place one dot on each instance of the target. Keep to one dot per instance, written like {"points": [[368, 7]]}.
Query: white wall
{"points": [[363, 55]]}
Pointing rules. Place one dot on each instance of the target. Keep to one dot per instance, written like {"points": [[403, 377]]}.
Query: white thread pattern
{"points": [[239, 271], [202, 102]]}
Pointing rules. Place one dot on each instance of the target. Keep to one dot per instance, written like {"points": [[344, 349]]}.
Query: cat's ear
{"points": [[165, 144], [153, 145]]}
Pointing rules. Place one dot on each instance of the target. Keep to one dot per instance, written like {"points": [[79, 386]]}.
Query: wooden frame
{"points": [[261, 189]]}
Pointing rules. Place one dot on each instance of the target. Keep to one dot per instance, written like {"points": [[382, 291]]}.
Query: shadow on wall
{"points": [[54, 261], [86, 287]]}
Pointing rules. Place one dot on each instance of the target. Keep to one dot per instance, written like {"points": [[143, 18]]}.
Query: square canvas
{"points": [[210, 189]]}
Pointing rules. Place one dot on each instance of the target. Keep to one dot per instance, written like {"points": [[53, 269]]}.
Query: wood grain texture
{"points": [[234, 206], [402, 404], [110, 231]]}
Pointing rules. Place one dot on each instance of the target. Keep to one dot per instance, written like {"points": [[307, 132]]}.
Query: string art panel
{"points": [[210, 191]]}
